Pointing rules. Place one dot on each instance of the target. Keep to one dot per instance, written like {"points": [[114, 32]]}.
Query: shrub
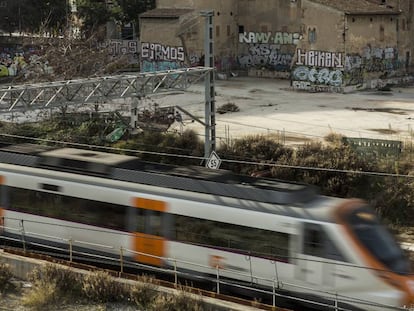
{"points": [[43, 296], [5, 277], [101, 287], [143, 293], [229, 107], [52, 284], [181, 302], [67, 281]]}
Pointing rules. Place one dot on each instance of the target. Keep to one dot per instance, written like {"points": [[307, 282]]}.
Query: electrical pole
{"points": [[210, 109]]}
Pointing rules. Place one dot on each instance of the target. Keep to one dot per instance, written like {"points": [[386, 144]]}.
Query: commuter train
{"points": [[259, 232]]}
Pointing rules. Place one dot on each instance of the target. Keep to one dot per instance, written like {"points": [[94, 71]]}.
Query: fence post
{"points": [[22, 233], [336, 302], [121, 259], [70, 250], [274, 293], [175, 273], [218, 279]]}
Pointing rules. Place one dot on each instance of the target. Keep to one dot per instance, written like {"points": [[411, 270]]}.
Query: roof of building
{"points": [[358, 7], [166, 13]]}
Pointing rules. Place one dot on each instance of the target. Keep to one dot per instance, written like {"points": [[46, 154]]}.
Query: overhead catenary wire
{"points": [[201, 158]]}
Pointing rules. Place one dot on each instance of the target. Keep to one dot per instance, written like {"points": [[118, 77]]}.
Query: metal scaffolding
{"points": [[61, 94], [26, 97]]}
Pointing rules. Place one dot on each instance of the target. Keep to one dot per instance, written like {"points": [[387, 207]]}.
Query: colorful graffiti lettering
{"points": [[315, 76], [266, 55], [13, 60], [284, 38], [270, 50], [148, 66], [156, 57], [319, 59], [372, 60]]}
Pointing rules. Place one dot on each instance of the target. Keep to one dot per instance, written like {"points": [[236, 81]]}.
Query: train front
{"points": [[379, 250]]}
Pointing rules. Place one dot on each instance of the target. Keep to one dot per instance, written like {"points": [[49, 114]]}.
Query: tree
{"points": [[133, 8], [94, 13], [34, 16]]}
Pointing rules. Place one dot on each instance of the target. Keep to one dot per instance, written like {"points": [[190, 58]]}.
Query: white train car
{"points": [[258, 232]]}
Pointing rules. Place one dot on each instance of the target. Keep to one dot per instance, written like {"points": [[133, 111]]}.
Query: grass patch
{"points": [[55, 286], [5, 278]]}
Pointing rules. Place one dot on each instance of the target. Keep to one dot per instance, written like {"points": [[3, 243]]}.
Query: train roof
{"points": [[129, 168]]}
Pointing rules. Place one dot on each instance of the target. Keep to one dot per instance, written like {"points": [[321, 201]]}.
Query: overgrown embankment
{"points": [[333, 165]]}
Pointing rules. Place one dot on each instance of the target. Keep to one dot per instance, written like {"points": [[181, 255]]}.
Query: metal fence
{"points": [[278, 290]]}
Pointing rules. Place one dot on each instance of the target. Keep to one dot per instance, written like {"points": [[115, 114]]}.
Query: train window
{"points": [[50, 187], [80, 210], [254, 241], [155, 223], [149, 222], [317, 243], [140, 220], [378, 240]]}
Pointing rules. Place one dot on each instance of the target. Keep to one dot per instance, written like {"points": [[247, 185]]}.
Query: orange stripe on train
{"points": [[154, 205]]}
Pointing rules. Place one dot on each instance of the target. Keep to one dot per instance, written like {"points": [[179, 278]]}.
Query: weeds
{"points": [[102, 288], [5, 278], [54, 285]]}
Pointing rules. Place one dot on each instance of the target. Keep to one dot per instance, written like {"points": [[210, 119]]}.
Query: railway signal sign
{"points": [[213, 161]]}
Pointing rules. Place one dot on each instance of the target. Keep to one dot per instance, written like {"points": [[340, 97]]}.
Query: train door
{"points": [[313, 267], [149, 241]]}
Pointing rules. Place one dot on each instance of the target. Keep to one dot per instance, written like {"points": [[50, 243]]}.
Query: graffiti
{"points": [[315, 76], [148, 66], [117, 48], [267, 50], [122, 47], [383, 60], [195, 60], [309, 87], [14, 60], [319, 59], [354, 76], [283, 38], [159, 52], [266, 55], [381, 53]]}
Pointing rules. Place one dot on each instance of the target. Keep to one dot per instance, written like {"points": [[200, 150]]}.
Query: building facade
{"points": [[321, 45]]}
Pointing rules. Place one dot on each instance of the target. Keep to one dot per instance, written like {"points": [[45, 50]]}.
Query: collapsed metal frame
{"points": [[26, 97], [61, 94]]}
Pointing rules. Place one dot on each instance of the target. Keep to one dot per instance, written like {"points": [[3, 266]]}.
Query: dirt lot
{"points": [[270, 106]]}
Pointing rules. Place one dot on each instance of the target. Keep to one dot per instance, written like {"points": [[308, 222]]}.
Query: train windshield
{"points": [[378, 241]]}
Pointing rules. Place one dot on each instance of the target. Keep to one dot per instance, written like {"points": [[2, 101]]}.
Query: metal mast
{"points": [[210, 118]]}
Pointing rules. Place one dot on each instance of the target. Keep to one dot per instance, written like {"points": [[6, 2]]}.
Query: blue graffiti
{"points": [[148, 66]]}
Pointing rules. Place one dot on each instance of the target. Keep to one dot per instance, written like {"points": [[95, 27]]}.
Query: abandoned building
{"points": [[321, 45]]}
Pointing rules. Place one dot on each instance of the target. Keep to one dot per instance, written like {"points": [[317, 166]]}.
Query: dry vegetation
{"points": [[69, 58], [59, 288], [336, 168]]}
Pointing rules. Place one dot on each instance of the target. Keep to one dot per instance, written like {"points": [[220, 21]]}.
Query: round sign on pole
{"points": [[213, 161]]}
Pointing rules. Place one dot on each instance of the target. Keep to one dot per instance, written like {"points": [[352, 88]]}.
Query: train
{"points": [[259, 232]]}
